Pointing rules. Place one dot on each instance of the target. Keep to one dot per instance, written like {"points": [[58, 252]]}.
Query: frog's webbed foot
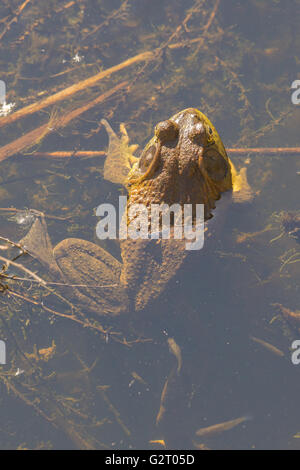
{"points": [[94, 275], [120, 158], [91, 272], [38, 245]]}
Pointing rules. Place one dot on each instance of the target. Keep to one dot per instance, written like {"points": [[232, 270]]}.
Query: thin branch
{"points": [[69, 154], [63, 284], [71, 90], [14, 19], [72, 317], [264, 150], [34, 212], [31, 137], [27, 271], [232, 151]]}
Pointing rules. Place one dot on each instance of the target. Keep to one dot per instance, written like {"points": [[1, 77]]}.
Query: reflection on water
{"points": [[84, 381]]}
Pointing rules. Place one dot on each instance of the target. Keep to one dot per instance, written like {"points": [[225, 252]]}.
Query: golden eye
{"points": [[215, 165], [166, 131], [146, 158]]}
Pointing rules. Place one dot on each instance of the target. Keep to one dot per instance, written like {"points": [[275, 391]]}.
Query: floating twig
{"points": [[270, 347], [71, 90], [63, 284], [71, 154], [264, 150], [27, 271], [14, 19], [34, 212], [231, 151], [31, 137]]}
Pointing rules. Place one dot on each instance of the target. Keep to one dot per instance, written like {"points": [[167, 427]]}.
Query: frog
{"points": [[185, 162]]}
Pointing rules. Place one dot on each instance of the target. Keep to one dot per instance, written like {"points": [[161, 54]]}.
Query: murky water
{"points": [[72, 380]]}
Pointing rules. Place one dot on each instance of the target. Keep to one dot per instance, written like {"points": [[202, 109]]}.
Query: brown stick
{"points": [[264, 150], [31, 137], [72, 317], [78, 153], [14, 19], [27, 271], [34, 212], [232, 151], [91, 81], [71, 90], [207, 26]]}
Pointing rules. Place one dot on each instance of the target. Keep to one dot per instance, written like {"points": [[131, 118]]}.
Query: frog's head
{"points": [[184, 162]]}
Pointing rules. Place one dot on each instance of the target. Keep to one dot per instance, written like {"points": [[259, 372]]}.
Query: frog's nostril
{"points": [[197, 133], [166, 131]]}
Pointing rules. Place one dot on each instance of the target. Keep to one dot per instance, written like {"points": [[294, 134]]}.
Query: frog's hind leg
{"points": [[94, 275], [120, 158], [91, 275]]}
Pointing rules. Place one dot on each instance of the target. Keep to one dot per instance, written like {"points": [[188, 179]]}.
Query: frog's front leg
{"points": [[120, 158], [241, 190]]}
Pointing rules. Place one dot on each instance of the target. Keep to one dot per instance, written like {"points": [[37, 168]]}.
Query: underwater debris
{"points": [[291, 224], [268, 346], [6, 108], [34, 136], [222, 427]]}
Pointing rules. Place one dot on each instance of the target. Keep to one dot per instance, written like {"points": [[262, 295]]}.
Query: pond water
{"points": [[78, 380]]}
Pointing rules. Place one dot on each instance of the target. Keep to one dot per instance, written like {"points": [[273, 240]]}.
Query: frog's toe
{"points": [[94, 275], [124, 134]]}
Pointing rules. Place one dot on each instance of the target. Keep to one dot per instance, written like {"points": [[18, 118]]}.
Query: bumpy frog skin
{"points": [[184, 162]]}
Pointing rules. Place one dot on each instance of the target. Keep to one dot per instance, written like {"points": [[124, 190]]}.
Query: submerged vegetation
{"points": [[66, 66]]}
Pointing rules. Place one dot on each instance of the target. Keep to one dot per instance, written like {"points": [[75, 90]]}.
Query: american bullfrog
{"points": [[184, 162]]}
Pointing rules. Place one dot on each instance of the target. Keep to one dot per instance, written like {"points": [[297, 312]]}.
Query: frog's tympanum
{"points": [[184, 162]]}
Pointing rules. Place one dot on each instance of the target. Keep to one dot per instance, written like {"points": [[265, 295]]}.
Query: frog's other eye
{"points": [[166, 131], [147, 158], [197, 134], [215, 165]]}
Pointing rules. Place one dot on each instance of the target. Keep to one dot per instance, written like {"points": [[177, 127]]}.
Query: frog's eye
{"points": [[215, 165], [197, 134], [166, 131], [147, 158]]}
